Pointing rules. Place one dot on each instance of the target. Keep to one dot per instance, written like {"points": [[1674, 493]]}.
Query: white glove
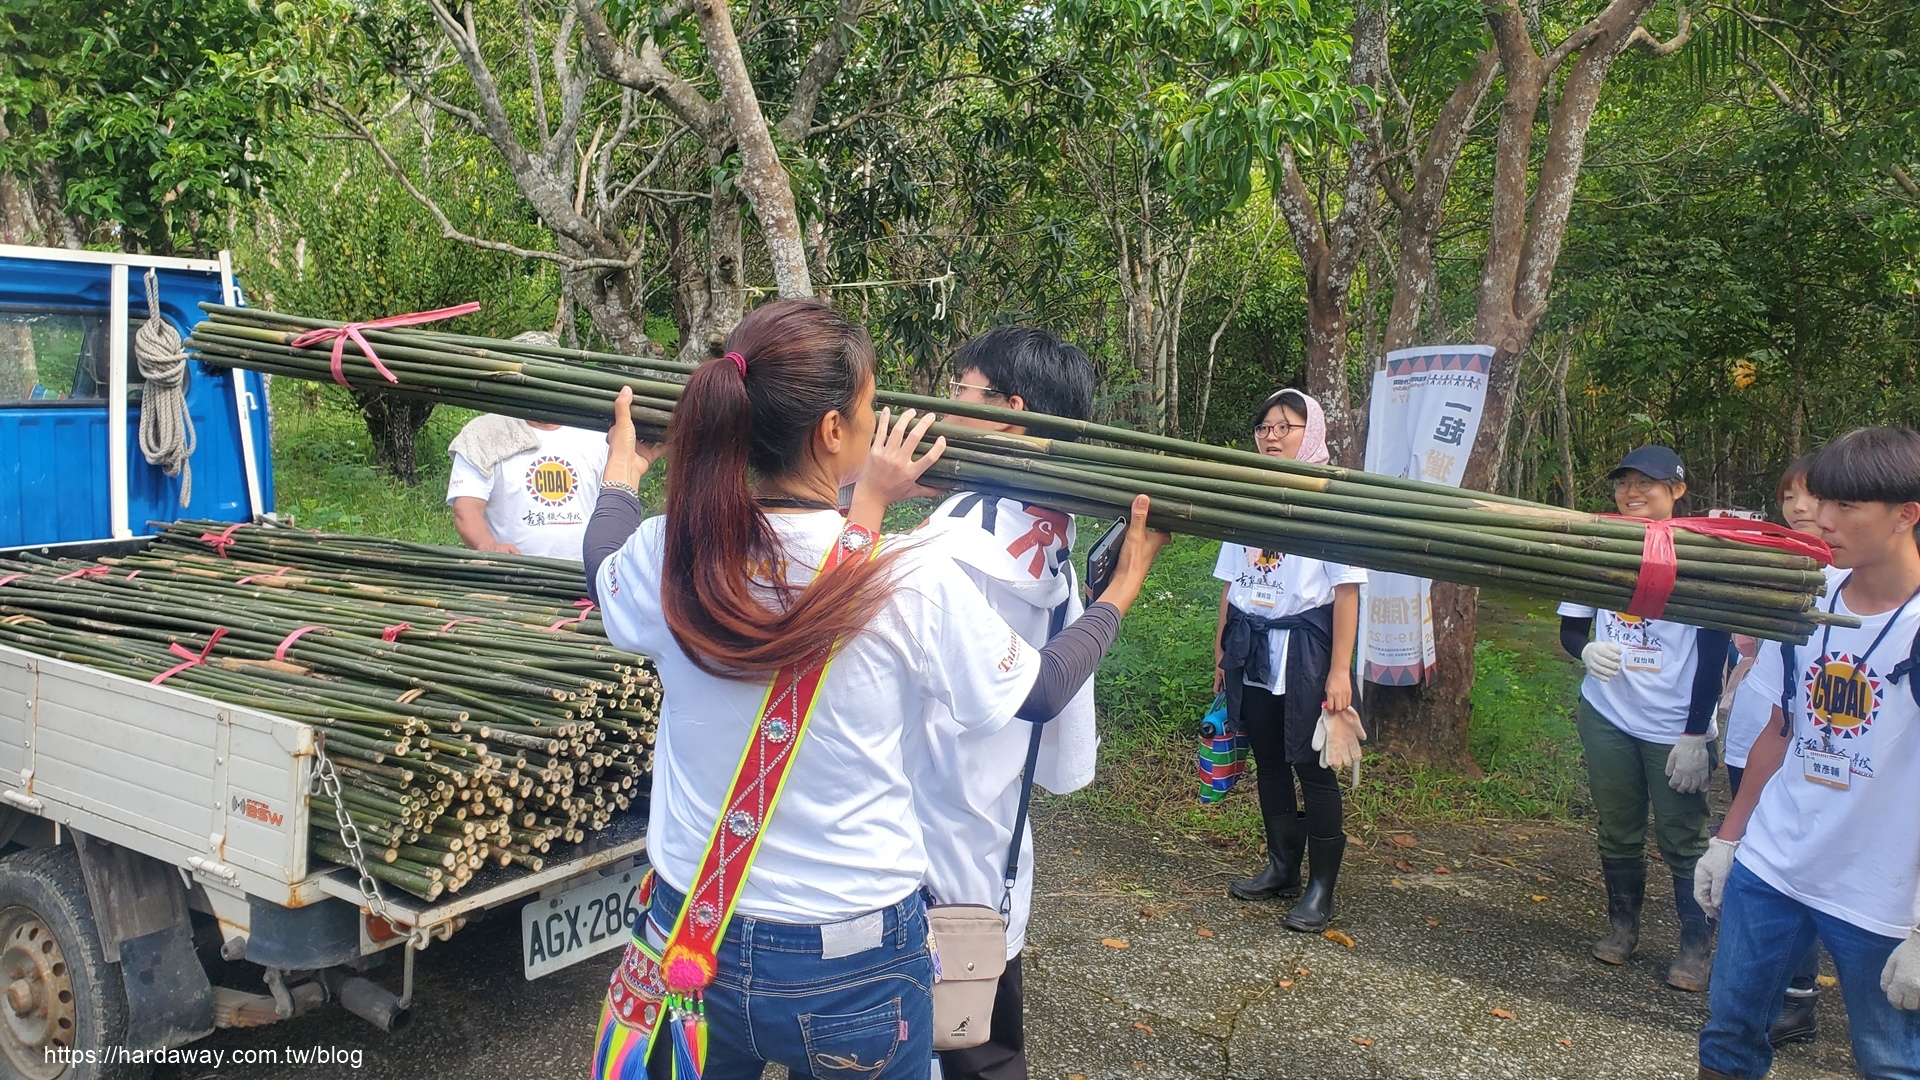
{"points": [[1710, 875], [1602, 659], [1901, 977], [1687, 765], [1338, 737]]}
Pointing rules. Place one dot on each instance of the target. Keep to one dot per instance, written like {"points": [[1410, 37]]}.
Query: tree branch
{"points": [[823, 66], [646, 72], [1681, 36], [447, 228]]}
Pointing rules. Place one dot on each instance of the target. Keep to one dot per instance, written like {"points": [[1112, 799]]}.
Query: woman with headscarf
{"points": [[1284, 654]]}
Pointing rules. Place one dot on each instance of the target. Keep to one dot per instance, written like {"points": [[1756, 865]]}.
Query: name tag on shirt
{"points": [[1265, 596], [1832, 770], [853, 936], [1640, 658]]}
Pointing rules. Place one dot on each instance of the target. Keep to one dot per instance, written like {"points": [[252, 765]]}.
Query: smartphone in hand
{"points": [[1104, 556]]}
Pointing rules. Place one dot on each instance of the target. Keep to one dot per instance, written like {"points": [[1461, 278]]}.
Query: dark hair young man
{"points": [[968, 790], [1824, 838]]}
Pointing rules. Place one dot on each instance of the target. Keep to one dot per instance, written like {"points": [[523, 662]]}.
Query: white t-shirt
{"points": [[539, 501], [1273, 585], [1753, 702], [1852, 852], [844, 839], [1650, 697], [966, 788]]}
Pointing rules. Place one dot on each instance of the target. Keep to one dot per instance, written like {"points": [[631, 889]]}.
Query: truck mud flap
{"points": [[169, 1001]]}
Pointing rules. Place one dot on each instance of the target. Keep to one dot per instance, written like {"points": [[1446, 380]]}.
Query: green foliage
{"points": [[153, 115]]}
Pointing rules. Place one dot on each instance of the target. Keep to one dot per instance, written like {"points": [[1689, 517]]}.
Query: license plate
{"points": [[582, 922]]}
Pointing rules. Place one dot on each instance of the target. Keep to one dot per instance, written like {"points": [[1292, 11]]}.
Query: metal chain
{"points": [[328, 781]]}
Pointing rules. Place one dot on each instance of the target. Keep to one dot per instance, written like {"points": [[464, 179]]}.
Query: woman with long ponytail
{"points": [[798, 656]]}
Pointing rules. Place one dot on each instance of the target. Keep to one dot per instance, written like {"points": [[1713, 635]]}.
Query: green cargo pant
{"points": [[1625, 774]]}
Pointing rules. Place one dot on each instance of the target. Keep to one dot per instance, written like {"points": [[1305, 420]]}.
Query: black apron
{"points": [[1245, 654]]}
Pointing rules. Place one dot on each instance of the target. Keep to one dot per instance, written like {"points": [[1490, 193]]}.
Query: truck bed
{"points": [[216, 789]]}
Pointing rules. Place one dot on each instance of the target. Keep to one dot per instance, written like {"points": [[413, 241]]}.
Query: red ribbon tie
{"points": [[392, 633], [1660, 568], [340, 335], [191, 658], [90, 571]]}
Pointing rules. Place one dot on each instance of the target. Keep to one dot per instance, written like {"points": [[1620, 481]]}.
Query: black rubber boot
{"points": [[1797, 1022], [1626, 892], [1315, 909], [1693, 965], [1280, 878]]}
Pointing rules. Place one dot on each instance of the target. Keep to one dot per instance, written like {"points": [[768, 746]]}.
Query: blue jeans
{"points": [[868, 1016], [1763, 935]]}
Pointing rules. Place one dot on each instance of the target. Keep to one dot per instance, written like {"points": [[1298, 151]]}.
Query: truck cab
{"points": [[148, 833]]}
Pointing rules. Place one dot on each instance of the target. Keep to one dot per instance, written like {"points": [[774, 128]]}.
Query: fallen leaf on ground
{"points": [[1433, 923], [1114, 942], [1147, 913], [1566, 1042], [1522, 838], [1537, 898], [1503, 1014], [1402, 840], [1828, 981], [1204, 932], [1358, 1041], [1284, 984], [1443, 869], [1339, 938], [1138, 1026], [1403, 866]]}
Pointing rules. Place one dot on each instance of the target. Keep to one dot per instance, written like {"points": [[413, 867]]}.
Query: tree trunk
{"points": [[762, 177], [1528, 222], [708, 294], [394, 425]]}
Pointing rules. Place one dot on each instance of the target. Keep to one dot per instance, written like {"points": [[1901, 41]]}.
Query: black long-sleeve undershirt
{"points": [[1066, 662], [1709, 675]]}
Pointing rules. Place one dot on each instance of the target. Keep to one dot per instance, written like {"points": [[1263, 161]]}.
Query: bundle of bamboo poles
{"points": [[1327, 512], [475, 714]]}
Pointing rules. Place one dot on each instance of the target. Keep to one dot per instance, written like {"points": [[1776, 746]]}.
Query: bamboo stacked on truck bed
{"points": [[1376, 522], [496, 723]]}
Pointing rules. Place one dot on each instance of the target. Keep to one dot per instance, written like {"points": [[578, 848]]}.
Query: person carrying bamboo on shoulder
{"points": [[1283, 656], [1646, 725], [1823, 842], [971, 790], [797, 657]]}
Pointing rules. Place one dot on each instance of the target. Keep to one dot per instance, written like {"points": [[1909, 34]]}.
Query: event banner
{"points": [[1422, 420]]}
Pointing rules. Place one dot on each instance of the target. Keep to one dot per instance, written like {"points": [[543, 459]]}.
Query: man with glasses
{"points": [[968, 788]]}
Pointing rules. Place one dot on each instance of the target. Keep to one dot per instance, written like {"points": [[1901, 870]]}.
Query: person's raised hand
{"points": [[1137, 553], [892, 472], [628, 458]]}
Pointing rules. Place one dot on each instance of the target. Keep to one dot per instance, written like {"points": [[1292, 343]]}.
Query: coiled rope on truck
{"points": [[166, 431]]}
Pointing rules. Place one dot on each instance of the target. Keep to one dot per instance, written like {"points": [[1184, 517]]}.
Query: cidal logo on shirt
{"points": [[551, 480], [1843, 696]]}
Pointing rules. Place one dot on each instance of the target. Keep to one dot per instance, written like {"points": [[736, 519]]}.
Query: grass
{"points": [[1152, 690], [1157, 683], [325, 477]]}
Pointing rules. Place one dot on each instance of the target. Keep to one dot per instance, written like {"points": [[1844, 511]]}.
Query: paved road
{"points": [[1480, 971]]}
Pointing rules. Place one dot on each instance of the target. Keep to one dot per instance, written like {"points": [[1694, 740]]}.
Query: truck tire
{"points": [[57, 991]]}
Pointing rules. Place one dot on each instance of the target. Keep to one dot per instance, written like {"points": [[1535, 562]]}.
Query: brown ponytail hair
{"points": [[803, 361]]}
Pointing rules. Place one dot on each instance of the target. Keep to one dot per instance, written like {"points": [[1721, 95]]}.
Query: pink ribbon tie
{"points": [[340, 335], [221, 541], [191, 658], [287, 642], [586, 609], [90, 571]]}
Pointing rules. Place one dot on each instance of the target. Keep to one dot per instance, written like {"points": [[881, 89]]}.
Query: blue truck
{"points": [[147, 832]]}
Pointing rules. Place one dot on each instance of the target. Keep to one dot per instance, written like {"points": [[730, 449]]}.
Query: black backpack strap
{"points": [[1909, 669], [1056, 623]]}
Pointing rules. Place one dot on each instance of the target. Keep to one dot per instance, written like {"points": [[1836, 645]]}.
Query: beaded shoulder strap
{"points": [[689, 961]]}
